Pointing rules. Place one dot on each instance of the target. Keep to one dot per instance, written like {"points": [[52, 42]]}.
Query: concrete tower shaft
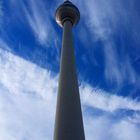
{"points": [[69, 122]]}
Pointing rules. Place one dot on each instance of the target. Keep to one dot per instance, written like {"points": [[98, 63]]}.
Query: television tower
{"points": [[68, 121]]}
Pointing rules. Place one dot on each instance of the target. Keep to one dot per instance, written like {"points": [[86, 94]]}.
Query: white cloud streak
{"points": [[118, 70], [102, 127], [105, 101], [38, 18], [1, 12], [4, 45], [28, 99], [103, 19]]}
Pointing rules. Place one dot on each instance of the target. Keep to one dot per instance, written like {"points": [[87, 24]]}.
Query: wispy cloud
{"points": [[118, 69], [103, 127], [28, 97], [100, 99], [112, 71], [4, 45], [104, 19], [28, 100], [1, 12], [38, 17], [33, 14]]}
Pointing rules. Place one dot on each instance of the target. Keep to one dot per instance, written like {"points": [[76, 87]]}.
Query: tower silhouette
{"points": [[68, 122]]}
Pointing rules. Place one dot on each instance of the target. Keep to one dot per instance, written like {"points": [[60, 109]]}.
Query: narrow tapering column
{"points": [[68, 123]]}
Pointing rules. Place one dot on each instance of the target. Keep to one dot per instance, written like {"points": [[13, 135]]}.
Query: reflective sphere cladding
{"points": [[67, 11]]}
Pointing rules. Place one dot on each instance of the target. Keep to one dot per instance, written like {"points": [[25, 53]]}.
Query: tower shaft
{"points": [[68, 123]]}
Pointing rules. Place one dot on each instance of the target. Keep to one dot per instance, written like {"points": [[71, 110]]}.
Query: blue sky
{"points": [[107, 48]]}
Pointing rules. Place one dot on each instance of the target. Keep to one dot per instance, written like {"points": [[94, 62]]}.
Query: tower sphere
{"points": [[67, 11]]}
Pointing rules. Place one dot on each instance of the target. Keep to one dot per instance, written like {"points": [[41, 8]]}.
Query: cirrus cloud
{"points": [[28, 100]]}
